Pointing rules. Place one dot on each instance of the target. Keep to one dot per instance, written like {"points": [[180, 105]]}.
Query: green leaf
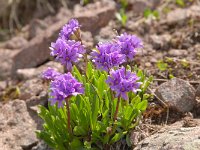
{"points": [[95, 109], [90, 71], [128, 140], [79, 131], [142, 105], [162, 66], [76, 144], [180, 3], [117, 137], [77, 74]]}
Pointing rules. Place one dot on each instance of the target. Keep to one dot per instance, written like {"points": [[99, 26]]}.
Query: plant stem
{"points": [[68, 115], [117, 109]]}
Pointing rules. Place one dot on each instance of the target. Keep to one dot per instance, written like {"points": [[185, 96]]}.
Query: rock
{"points": [[37, 52], [194, 11], [6, 57], [95, 16], [178, 52], [173, 137], [41, 146], [106, 33], [15, 43], [160, 41], [36, 27], [197, 94], [63, 12], [31, 88], [17, 128], [30, 73], [87, 39], [178, 94], [3, 85], [139, 6], [177, 16]]}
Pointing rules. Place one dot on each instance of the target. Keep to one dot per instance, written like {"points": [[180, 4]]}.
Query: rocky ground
{"points": [[171, 54]]}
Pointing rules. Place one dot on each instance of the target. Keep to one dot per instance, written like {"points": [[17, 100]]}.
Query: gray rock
{"points": [[6, 57], [160, 41], [95, 16], [105, 33], [37, 51], [15, 43], [41, 146], [30, 73], [178, 94], [173, 137], [31, 88], [36, 26], [197, 94], [178, 52], [87, 39], [177, 16], [17, 129]]}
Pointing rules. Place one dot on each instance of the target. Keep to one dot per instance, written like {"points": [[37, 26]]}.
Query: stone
{"points": [[37, 52], [36, 27], [87, 39], [106, 33], [160, 41], [178, 94], [41, 146], [15, 43], [177, 52], [95, 16], [197, 94], [177, 16], [6, 57], [30, 73], [3, 85], [173, 137], [139, 6], [31, 88], [17, 128]]}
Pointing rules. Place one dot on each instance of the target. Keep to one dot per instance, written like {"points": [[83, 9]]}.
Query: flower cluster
{"points": [[129, 45], [109, 55], [122, 81], [67, 52], [68, 30], [65, 49], [63, 87], [50, 74]]}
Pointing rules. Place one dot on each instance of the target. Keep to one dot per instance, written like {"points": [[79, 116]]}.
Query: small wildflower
{"points": [[107, 56], [50, 74], [64, 86], [129, 45], [67, 52], [122, 82], [69, 29]]}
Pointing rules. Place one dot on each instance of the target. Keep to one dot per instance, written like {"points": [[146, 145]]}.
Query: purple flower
{"points": [[129, 45], [64, 86], [122, 81], [67, 52], [69, 29], [50, 74], [107, 56]]}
